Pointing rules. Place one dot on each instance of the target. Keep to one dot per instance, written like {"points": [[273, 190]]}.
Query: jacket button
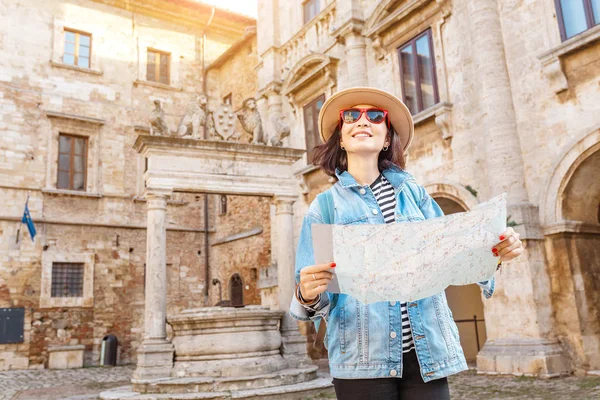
{"points": [[375, 212], [362, 191], [393, 335], [393, 372]]}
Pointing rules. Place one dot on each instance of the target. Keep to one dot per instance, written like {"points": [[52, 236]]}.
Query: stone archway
{"points": [[464, 301], [213, 167], [571, 217]]}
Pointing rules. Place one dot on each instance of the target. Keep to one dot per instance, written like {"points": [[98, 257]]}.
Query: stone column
{"points": [[527, 345], [155, 354], [294, 344], [356, 59]]}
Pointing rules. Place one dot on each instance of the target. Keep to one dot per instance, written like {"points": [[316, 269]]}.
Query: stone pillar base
{"points": [[154, 360], [530, 357], [293, 344]]}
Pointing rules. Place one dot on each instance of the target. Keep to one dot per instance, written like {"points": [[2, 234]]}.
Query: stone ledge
{"points": [[76, 68], [442, 112], [551, 60], [74, 347], [158, 85], [141, 199], [65, 357], [238, 236], [529, 357], [169, 144], [64, 192], [593, 373], [571, 227], [80, 118], [306, 170]]}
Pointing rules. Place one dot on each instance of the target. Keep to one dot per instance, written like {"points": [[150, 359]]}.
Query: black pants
{"points": [[409, 387]]}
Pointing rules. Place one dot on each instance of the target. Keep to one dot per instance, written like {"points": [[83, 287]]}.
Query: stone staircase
{"points": [[290, 384]]}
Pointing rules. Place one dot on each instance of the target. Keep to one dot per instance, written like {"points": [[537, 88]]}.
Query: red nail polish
{"points": [[494, 250], [501, 237], [333, 265], [495, 254]]}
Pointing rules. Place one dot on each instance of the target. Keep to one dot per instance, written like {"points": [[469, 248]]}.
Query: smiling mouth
{"points": [[362, 134]]}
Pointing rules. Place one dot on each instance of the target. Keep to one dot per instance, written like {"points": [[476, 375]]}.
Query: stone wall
{"points": [[242, 245], [522, 123], [104, 225]]}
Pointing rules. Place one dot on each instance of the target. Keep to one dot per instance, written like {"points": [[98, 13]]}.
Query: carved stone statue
{"points": [[250, 119], [191, 124], [221, 123], [282, 130], [158, 126]]}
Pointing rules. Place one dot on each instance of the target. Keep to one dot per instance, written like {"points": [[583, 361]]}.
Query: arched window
{"points": [[236, 290]]}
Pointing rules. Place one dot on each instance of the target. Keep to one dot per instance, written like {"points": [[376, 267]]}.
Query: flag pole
{"points": [[21, 222]]}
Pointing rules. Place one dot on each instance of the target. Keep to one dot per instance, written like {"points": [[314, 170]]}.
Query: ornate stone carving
{"points": [[556, 75], [221, 123], [192, 122], [158, 126], [443, 119], [282, 130], [301, 179], [251, 122], [378, 48]]}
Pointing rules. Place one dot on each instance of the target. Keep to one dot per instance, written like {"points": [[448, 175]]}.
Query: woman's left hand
{"points": [[510, 246]]}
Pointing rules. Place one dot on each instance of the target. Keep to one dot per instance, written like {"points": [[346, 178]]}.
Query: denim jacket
{"points": [[364, 340]]}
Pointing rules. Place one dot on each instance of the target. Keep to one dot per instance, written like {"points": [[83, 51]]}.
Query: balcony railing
{"points": [[313, 37]]}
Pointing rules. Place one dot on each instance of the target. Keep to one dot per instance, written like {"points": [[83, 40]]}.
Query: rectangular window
{"points": [[158, 66], [311, 129], [577, 16], [228, 99], [417, 72], [67, 280], [72, 161], [311, 8], [78, 48]]}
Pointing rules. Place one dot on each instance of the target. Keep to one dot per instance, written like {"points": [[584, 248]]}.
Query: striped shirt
{"points": [[384, 194]]}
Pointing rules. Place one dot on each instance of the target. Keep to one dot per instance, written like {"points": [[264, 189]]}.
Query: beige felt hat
{"points": [[398, 113]]}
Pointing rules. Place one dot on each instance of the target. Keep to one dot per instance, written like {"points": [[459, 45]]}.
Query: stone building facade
{"points": [[505, 97], [83, 73]]}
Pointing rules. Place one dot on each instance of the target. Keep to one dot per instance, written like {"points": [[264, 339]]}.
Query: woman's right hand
{"points": [[314, 280]]}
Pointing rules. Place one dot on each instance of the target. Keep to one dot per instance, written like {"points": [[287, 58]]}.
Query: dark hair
{"points": [[330, 155]]}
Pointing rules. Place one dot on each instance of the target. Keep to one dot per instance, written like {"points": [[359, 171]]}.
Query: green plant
{"points": [[471, 190], [510, 223]]}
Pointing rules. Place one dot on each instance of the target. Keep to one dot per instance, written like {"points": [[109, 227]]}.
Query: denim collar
{"points": [[394, 175]]}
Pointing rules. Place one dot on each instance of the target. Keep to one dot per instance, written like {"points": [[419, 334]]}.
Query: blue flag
{"points": [[28, 221]]}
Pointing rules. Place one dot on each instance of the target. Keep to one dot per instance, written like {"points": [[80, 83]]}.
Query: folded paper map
{"points": [[411, 261]]}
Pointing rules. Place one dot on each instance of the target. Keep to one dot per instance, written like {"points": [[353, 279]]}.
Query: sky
{"points": [[246, 7]]}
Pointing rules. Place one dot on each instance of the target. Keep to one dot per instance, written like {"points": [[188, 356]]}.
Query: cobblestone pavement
{"points": [[86, 383]]}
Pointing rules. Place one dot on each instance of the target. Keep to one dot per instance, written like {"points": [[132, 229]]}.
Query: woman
{"points": [[381, 350]]}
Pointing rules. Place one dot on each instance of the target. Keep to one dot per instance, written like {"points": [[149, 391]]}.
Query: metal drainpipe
{"points": [[206, 252]]}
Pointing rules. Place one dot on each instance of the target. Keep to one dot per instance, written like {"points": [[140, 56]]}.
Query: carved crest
{"points": [[223, 123]]}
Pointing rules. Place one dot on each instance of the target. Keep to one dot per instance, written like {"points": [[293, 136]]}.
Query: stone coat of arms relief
{"points": [[220, 122]]}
